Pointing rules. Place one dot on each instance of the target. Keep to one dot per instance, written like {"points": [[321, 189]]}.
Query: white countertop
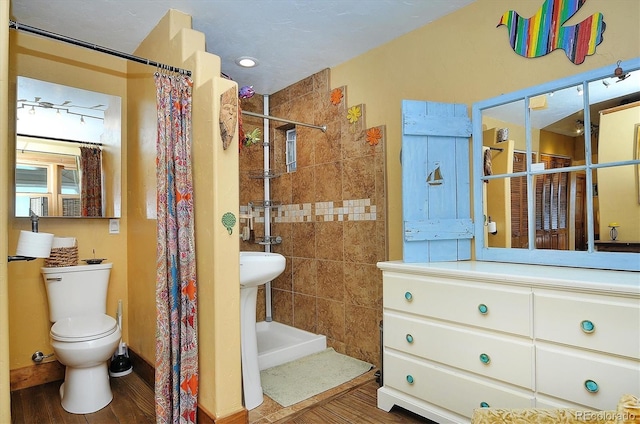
{"points": [[596, 280]]}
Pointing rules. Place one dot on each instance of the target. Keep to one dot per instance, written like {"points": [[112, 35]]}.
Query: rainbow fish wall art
{"points": [[544, 32]]}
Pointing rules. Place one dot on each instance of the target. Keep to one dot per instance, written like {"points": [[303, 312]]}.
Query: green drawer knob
{"points": [[591, 386], [484, 405], [483, 309], [588, 326], [408, 296], [484, 358], [409, 338], [410, 379]]}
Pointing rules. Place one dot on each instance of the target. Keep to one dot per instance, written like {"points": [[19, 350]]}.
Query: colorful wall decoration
{"points": [[544, 32]]}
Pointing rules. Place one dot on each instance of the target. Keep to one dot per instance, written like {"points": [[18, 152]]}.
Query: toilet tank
{"points": [[76, 290]]}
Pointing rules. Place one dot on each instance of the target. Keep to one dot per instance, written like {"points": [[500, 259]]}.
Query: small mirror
{"points": [[68, 151]]}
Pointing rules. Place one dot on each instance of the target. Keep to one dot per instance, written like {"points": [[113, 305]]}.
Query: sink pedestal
{"points": [[249, 345], [256, 268]]}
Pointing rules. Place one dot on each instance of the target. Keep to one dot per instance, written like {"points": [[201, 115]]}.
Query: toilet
{"points": [[83, 337]]}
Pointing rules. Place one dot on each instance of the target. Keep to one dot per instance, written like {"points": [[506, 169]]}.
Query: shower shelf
{"points": [[264, 204], [263, 174], [271, 240]]}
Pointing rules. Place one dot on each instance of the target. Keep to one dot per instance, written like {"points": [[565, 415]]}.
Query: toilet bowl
{"points": [[83, 337], [84, 344]]}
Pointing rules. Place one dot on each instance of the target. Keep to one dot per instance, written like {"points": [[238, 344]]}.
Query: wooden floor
{"points": [[133, 402], [358, 405]]}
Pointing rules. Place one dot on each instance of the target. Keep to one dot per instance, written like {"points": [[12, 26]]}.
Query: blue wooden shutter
{"points": [[436, 199]]}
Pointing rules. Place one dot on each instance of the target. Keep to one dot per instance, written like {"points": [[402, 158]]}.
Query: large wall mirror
{"points": [[556, 168], [68, 151]]}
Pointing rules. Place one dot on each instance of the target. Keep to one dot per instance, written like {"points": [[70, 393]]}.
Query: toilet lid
{"points": [[83, 328]]}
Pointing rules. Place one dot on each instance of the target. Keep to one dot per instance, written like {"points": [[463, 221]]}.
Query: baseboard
{"points": [[144, 369], [205, 417], [36, 374]]}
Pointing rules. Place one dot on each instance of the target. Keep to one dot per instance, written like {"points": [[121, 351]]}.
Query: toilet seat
{"points": [[83, 328]]}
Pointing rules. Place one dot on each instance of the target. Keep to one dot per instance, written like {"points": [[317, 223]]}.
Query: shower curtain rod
{"points": [[21, 27], [323, 128]]}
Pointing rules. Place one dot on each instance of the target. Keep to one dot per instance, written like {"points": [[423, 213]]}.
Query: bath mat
{"points": [[308, 376]]}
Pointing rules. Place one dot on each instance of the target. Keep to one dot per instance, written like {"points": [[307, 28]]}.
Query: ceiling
{"points": [[291, 39]]}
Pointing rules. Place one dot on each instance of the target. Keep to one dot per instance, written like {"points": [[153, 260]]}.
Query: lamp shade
{"points": [[34, 245]]}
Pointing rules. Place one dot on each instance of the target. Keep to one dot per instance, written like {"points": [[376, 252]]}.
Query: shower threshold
{"points": [[279, 343]]}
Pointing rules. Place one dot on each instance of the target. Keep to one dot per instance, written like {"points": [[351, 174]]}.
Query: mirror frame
{"points": [[582, 259]]}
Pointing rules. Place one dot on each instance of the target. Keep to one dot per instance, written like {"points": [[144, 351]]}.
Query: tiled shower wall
{"points": [[331, 217]]}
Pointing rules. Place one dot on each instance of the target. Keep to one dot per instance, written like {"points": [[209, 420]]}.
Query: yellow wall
{"points": [[47, 60], [618, 187], [560, 145], [216, 183], [464, 58], [5, 399]]}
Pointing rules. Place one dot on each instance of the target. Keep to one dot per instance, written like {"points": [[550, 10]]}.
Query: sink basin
{"points": [[257, 268]]}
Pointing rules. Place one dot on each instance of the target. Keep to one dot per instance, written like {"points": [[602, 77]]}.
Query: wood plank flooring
{"points": [[358, 405], [133, 403]]}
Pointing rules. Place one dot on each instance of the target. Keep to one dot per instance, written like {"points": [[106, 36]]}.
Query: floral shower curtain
{"points": [[91, 181], [176, 381]]}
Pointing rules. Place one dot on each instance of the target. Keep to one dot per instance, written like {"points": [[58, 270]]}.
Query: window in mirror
{"points": [[54, 124], [563, 172], [47, 183]]}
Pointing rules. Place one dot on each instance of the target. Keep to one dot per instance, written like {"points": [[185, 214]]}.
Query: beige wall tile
{"points": [[360, 243], [331, 280], [360, 283], [304, 240], [328, 181], [305, 276], [331, 319], [303, 185], [359, 178], [304, 312], [282, 306], [329, 240]]}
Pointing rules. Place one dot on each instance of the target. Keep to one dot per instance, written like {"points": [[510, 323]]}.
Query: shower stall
{"points": [[277, 343]]}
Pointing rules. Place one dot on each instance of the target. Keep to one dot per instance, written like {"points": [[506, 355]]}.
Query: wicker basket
{"points": [[62, 256]]}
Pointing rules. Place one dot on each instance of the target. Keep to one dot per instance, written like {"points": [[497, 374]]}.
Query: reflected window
{"points": [[47, 184]]}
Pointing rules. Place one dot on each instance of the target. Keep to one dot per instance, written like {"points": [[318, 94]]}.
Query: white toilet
{"points": [[83, 337]]}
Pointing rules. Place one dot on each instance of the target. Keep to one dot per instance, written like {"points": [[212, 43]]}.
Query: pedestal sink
{"points": [[256, 268]]}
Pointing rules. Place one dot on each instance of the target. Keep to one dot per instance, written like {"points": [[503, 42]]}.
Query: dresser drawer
{"points": [[456, 392], [545, 402], [593, 380], [499, 357], [505, 309], [610, 324]]}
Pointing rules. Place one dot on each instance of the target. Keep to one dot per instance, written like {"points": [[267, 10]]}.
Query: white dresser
{"points": [[463, 335]]}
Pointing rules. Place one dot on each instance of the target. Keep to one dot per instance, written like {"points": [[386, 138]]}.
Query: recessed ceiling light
{"points": [[247, 62]]}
